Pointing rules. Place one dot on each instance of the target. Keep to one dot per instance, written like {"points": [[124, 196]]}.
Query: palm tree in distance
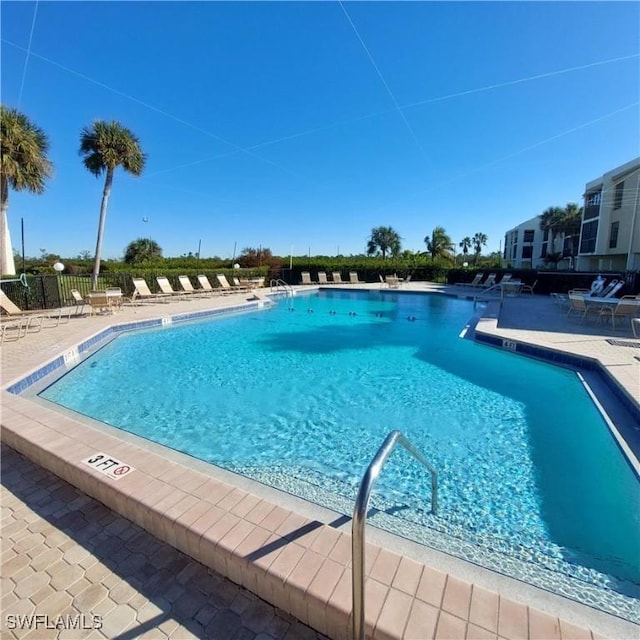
{"points": [[549, 220], [384, 240], [568, 223], [439, 244], [479, 240], [105, 146], [465, 245], [23, 166]]}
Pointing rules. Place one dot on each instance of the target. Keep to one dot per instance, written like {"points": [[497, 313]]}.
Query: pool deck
{"points": [[178, 549]]}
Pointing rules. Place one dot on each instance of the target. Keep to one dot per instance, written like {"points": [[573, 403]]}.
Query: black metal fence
{"points": [[52, 291]]}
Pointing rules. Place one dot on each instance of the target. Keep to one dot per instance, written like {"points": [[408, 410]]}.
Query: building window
{"points": [[527, 252], [545, 236], [588, 238], [593, 199], [514, 251], [543, 251], [528, 235], [613, 235], [617, 196]]}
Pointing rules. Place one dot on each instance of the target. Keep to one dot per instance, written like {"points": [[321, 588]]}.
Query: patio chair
{"points": [[393, 282], [528, 288], [142, 292], [612, 292], [474, 283], [627, 307], [337, 278], [354, 279], [224, 283], [489, 282], [78, 301], [578, 304], [206, 286], [383, 282], [33, 319], [166, 288], [322, 278], [187, 287], [306, 278]]}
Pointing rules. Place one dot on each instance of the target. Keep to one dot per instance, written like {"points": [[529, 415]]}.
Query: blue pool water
{"points": [[306, 392]]}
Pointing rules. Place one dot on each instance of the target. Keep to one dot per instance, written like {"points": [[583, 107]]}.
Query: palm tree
{"points": [[142, 250], [479, 240], [383, 240], [465, 245], [439, 244], [23, 166], [105, 146], [568, 223], [549, 220]]}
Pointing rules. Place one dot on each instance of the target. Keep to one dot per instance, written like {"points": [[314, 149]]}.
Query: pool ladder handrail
{"points": [[360, 516], [281, 285]]}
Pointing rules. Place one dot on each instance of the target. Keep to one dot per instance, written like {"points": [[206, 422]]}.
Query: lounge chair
{"points": [[187, 287], [12, 327], [611, 293], [383, 282], [474, 283], [627, 307], [241, 285], [166, 288], [528, 288], [337, 278], [33, 319], [322, 278], [206, 286], [489, 282], [306, 278], [224, 283], [142, 292], [353, 278], [408, 278]]}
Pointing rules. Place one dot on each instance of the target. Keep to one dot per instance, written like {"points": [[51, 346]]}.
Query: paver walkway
{"points": [[74, 562]]}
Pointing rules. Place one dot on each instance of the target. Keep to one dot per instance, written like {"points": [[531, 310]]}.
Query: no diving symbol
{"points": [[120, 471]]}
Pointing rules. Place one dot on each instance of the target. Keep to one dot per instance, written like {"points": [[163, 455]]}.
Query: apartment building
{"points": [[527, 246], [610, 232]]}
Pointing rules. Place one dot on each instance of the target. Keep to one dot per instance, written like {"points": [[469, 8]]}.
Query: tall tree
{"points": [[465, 245], [439, 244], [479, 240], [568, 224], [23, 166], [105, 146], [384, 240], [549, 220], [142, 250]]}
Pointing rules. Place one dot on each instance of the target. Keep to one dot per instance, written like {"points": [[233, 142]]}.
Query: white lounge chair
{"points": [[337, 278], [224, 283], [322, 278], [33, 319], [166, 288], [206, 286], [306, 278], [353, 278], [142, 292]]}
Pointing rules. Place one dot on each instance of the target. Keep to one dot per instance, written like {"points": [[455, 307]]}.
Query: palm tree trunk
{"points": [[7, 264], [103, 215]]}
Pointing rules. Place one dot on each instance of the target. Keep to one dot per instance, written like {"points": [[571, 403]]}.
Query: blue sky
{"points": [[302, 125]]}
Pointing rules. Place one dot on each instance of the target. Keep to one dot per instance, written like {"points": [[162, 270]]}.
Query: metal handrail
{"points": [[278, 284], [360, 516]]}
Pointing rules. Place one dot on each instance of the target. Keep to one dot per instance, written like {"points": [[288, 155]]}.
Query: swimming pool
{"points": [[302, 396]]}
